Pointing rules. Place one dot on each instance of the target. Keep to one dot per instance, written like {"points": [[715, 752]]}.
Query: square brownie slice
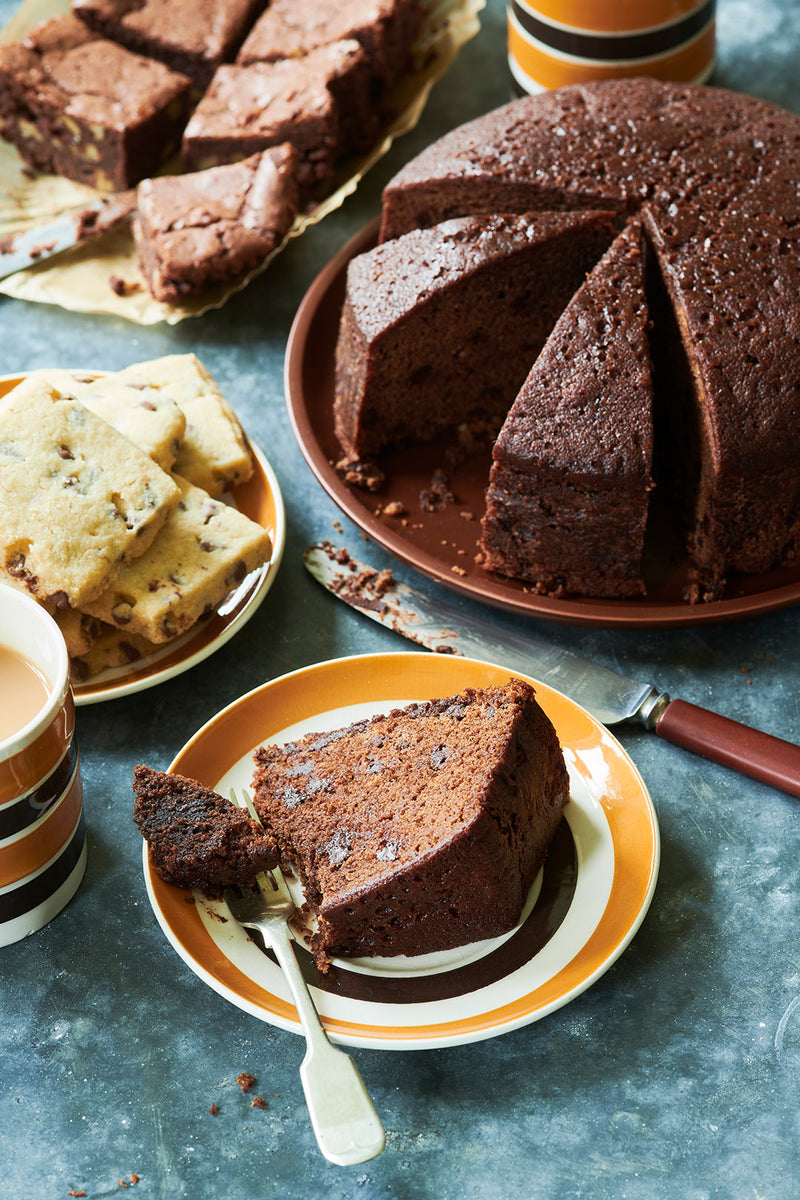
{"points": [[80, 106], [215, 225], [319, 103], [193, 37], [386, 30]]}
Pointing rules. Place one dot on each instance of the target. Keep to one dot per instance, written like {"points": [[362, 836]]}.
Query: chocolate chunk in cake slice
{"points": [[195, 837], [441, 326], [213, 226], [187, 36], [422, 829], [568, 496], [81, 106]]}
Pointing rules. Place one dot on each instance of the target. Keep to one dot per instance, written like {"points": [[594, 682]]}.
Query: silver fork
{"points": [[347, 1127]]}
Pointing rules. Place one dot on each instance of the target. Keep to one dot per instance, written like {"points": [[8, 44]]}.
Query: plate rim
{"points": [[588, 611], [95, 690], [616, 926]]}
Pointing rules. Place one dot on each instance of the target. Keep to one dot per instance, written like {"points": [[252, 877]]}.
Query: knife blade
{"points": [[606, 694], [22, 250]]}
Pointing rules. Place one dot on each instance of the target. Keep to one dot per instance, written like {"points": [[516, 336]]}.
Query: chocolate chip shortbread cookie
{"points": [[214, 454], [204, 550], [77, 498]]}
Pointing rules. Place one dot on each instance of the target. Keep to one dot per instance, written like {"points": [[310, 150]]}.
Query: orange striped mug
{"points": [[556, 42], [42, 836]]}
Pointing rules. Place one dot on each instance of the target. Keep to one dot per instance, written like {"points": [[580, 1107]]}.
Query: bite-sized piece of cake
{"points": [[195, 837], [205, 549], [441, 326], [154, 423], [78, 105], [733, 277], [190, 36], [569, 488], [213, 226], [78, 499], [385, 28], [214, 454], [422, 829], [319, 103]]}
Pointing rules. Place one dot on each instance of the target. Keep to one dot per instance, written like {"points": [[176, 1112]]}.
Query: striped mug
{"points": [[552, 43], [42, 836]]}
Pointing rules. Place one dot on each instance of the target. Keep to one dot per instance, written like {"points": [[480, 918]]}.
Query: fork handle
{"points": [[347, 1127]]}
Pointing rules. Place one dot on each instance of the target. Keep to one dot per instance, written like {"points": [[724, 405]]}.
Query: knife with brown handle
{"points": [[607, 695]]}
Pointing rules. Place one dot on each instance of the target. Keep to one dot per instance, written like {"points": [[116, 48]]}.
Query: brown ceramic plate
{"points": [[442, 544]]}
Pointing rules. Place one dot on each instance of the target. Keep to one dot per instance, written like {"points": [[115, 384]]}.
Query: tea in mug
{"points": [[24, 691]]}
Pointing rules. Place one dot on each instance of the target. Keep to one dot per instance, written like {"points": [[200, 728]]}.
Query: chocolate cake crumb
{"points": [[245, 1081]]}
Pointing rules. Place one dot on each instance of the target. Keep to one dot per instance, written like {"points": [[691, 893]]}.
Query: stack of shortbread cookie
{"points": [[110, 498]]}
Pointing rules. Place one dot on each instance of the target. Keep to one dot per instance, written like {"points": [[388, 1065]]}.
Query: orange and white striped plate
{"points": [[584, 908]]}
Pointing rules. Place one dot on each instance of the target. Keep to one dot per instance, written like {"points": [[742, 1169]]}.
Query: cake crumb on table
{"points": [[245, 1081]]}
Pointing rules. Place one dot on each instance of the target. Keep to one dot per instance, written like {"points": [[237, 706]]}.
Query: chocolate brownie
{"points": [[190, 36], [195, 837], [78, 105], [318, 103], [214, 226], [570, 483], [385, 29]]}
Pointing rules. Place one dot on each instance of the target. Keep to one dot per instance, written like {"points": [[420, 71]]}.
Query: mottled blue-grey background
{"points": [[676, 1075]]}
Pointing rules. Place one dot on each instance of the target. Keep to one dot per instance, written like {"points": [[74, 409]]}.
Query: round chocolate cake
{"points": [[711, 177]]}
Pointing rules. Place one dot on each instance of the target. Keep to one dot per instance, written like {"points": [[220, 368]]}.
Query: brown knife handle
{"points": [[769, 759]]}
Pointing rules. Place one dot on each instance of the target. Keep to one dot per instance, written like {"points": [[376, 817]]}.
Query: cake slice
{"points": [[419, 830], [440, 326], [205, 550], [195, 837], [567, 502], [730, 430]]}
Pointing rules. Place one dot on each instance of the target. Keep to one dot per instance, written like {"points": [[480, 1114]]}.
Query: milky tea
{"points": [[24, 691]]}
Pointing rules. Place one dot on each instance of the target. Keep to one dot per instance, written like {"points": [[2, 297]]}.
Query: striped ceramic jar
{"points": [[556, 42], [42, 836]]}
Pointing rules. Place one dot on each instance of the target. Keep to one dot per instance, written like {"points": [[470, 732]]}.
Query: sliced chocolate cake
{"points": [[195, 837], [422, 829], [441, 325], [569, 488]]}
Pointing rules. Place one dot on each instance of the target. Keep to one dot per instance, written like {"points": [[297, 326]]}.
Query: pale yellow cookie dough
{"points": [[214, 454], [153, 422], [77, 498], [205, 549]]}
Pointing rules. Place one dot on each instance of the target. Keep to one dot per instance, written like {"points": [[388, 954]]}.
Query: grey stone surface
{"points": [[676, 1075]]}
